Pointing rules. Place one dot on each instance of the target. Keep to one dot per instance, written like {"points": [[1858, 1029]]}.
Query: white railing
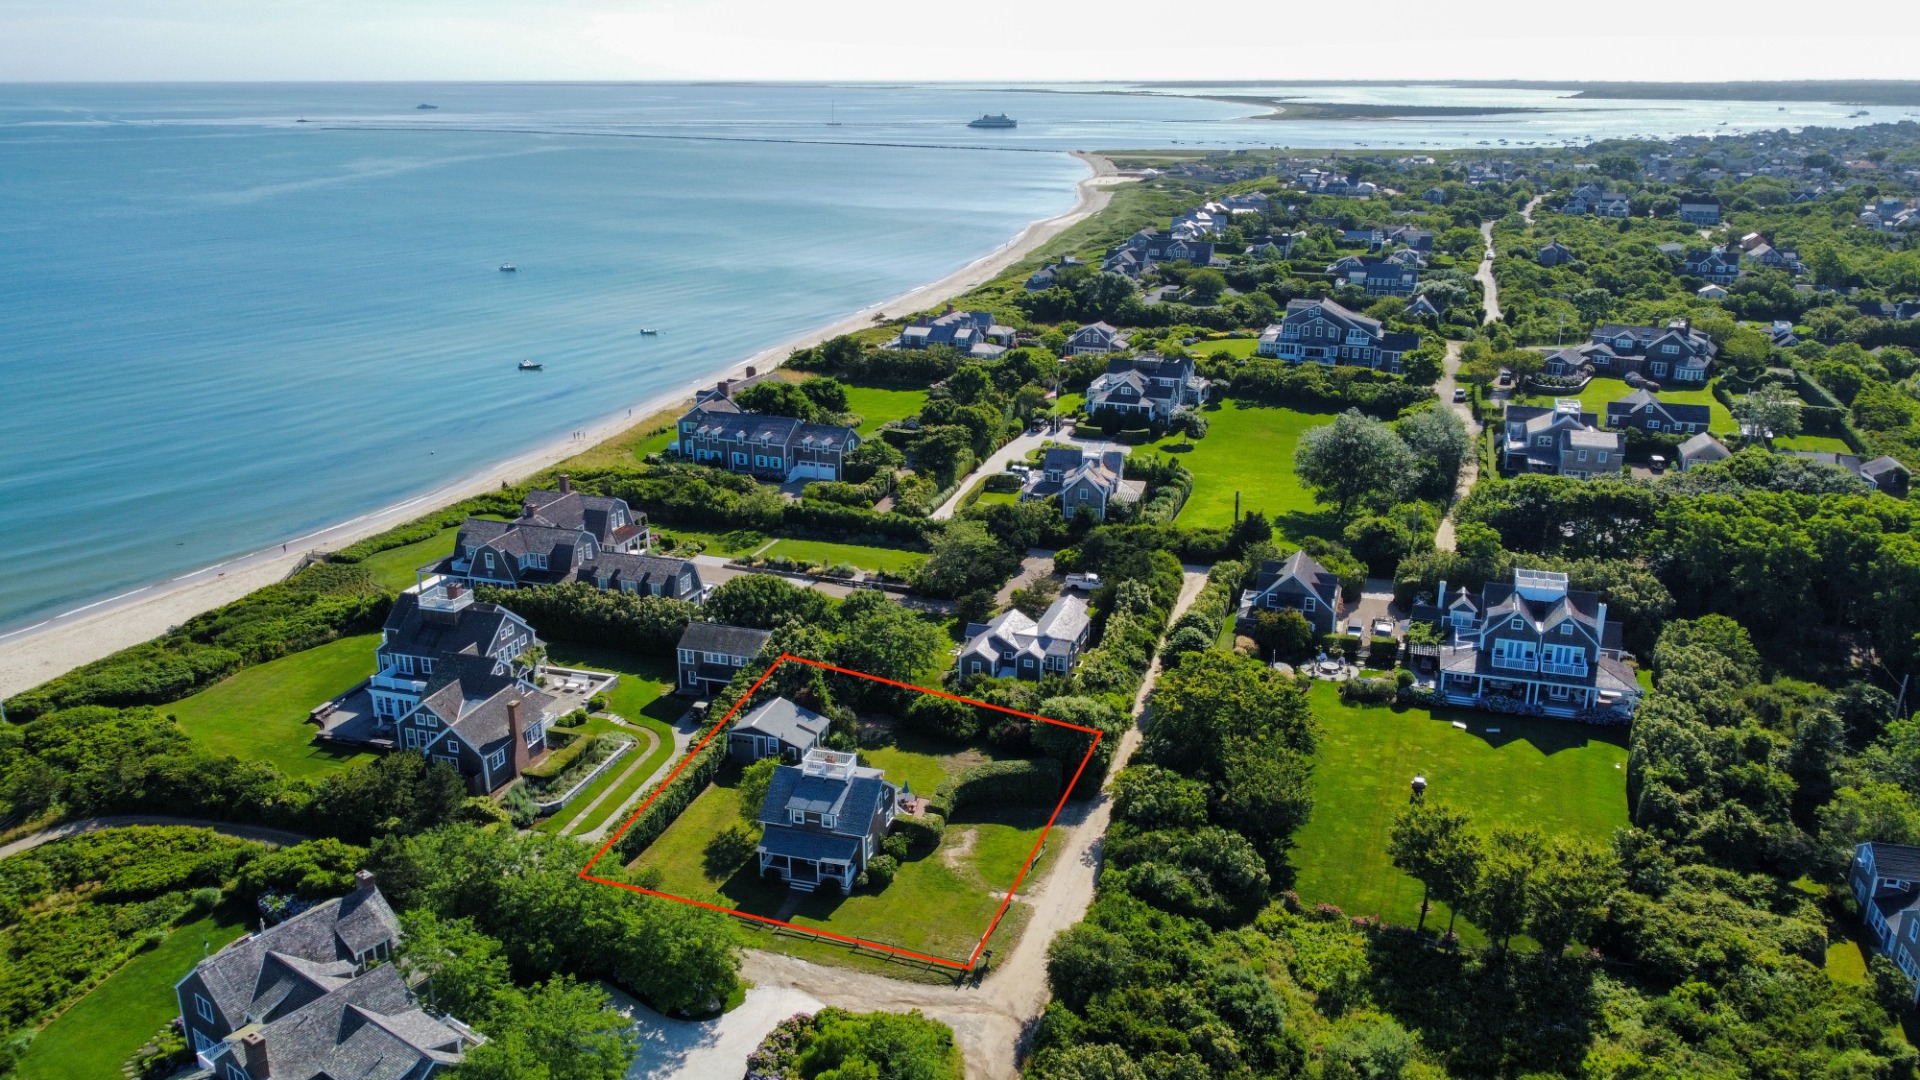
{"points": [[1550, 668], [1506, 663]]}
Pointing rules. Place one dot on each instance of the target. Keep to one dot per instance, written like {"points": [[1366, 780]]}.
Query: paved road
{"points": [[1016, 449], [991, 1021], [277, 837]]}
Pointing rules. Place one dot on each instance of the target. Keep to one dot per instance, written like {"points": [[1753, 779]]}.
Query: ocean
{"points": [[222, 328]]}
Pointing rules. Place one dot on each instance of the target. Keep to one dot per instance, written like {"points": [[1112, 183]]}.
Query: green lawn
{"points": [[1600, 391], [1238, 348], [1557, 775], [736, 542], [1821, 443], [260, 714], [877, 405], [1846, 963], [643, 697], [1249, 449], [91, 1039], [395, 568], [866, 557], [938, 904]]}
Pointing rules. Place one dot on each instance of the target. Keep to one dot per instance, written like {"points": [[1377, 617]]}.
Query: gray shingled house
{"points": [[710, 654], [777, 729], [1015, 646], [823, 819], [1298, 584], [1885, 879], [317, 998]]}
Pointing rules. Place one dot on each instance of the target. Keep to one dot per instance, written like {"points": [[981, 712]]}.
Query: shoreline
{"points": [[33, 654]]}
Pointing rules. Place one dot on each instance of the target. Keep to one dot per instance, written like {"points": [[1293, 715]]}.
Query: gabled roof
{"points": [[367, 1029], [720, 638], [1333, 313], [263, 971], [792, 724], [593, 514], [470, 632], [473, 702], [1302, 569], [852, 798], [1704, 448], [1900, 862]]}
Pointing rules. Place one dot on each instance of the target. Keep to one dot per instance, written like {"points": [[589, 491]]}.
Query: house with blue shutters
{"points": [[1323, 332], [1885, 879], [823, 819]]}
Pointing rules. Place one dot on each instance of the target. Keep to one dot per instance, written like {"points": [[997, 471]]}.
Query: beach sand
{"points": [[34, 654]]}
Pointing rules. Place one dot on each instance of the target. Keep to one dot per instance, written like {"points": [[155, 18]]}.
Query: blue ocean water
{"points": [[221, 328]]}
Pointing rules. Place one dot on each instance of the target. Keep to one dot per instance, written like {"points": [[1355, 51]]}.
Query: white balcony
{"points": [[400, 682], [1548, 668]]}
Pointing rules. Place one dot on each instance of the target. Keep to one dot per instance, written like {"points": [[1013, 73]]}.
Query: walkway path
{"points": [[684, 732], [1485, 274], [645, 747], [1470, 468], [276, 837], [993, 1020]]}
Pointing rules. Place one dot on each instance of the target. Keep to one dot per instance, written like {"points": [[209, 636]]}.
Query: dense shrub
{"points": [[880, 871], [1029, 782], [922, 833], [579, 612], [1369, 690]]}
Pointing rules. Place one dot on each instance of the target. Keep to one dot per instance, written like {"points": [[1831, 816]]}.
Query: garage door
{"points": [[811, 472]]}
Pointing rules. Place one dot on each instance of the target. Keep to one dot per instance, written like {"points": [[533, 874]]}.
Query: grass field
{"points": [[736, 542], [395, 568], [1238, 348], [1560, 776], [91, 1039], [1820, 443], [877, 405], [938, 904], [866, 557], [643, 697], [1249, 450], [260, 714]]}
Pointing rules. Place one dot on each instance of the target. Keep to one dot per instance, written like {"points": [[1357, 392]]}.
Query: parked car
{"points": [[1659, 462], [1459, 395]]}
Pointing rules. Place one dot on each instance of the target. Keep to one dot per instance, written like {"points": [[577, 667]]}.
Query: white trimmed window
{"points": [[204, 1007], [498, 760]]}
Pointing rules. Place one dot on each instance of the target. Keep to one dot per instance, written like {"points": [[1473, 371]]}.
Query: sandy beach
{"points": [[34, 654]]}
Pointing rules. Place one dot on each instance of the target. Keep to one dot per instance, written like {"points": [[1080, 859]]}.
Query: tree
{"points": [[763, 601], [560, 1030], [969, 385], [1435, 845], [466, 970], [881, 638], [1439, 443], [1567, 895], [1282, 634], [1205, 286], [1499, 901], [1592, 304], [964, 558], [829, 393], [1770, 412], [777, 397], [754, 781], [1350, 459]]}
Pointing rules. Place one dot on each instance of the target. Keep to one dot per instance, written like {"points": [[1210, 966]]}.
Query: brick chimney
{"points": [[726, 388], [752, 371], [566, 484], [363, 881], [515, 734], [256, 1047]]}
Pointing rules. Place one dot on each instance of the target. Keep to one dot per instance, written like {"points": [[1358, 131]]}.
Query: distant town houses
{"points": [[1884, 473], [1299, 584], [710, 654], [1420, 307], [1719, 265], [1900, 310], [1889, 214], [1016, 646], [975, 333], [1554, 253], [1767, 257], [1561, 440], [1148, 248], [1675, 352], [1700, 211], [1642, 410], [1534, 645], [1885, 879], [1096, 338], [823, 819], [1084, 478], [1597, 201], [1378, 275], [781, 449], [1147, 387], [776, 729], [1323, 332], [563, 537], [1702, 449], [1047, 276], [317, 996]]}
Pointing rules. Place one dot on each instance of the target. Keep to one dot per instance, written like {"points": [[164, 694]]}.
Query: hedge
{"points": [[579, 612], [676, 794], [923, 833], [1369, 691], [1383, 652], [1028, 782], [1346, 645]]}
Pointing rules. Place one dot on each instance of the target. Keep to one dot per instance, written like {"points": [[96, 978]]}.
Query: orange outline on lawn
{"points": [[586, 872]]}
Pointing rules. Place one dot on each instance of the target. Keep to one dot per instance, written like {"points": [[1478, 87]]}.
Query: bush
{"points": [[1346, 645], [1383, 652], [1003, 483], [1032, 782], [922, 834], [1370, 690], [895, 845], [880, 871]]}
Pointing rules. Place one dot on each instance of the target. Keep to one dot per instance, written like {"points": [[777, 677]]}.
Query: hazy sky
{"points": [[905, 39]]}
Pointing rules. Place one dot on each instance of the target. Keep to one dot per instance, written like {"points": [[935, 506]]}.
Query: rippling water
{"points": [[220, 328]]}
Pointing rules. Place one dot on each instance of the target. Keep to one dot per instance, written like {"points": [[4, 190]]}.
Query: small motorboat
{"points": [[649, 331], [508, 268], [529, 365], [424, 106]]}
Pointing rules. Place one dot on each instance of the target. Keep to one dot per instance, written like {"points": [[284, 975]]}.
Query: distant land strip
{"points": [[324, 126], [1840, 91]]}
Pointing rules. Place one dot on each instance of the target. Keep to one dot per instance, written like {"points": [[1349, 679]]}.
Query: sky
{"points": [[985, 40]]}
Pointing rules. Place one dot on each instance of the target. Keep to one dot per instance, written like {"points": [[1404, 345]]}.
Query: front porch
{"points": [[806, 875]]}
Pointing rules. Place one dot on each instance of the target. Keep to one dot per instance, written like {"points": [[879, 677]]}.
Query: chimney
{"points": [[256, 1046], [1600, 625], [752, 371], [726, 388], [455, 590], [566, 484], [363, 881], [518, 751], [1441, 602]]}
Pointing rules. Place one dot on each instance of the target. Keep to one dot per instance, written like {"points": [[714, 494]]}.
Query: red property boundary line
{"points": [[586, 872]]}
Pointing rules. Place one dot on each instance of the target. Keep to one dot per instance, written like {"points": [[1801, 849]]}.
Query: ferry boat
{"points": [[994, 120], [426, 106], [508, 268], [529, 365]]}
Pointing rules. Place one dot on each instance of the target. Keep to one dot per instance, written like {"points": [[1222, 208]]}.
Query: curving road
{"points": [[276, 837]]}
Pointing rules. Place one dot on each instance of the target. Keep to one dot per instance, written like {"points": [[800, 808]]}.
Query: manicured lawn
{"points": [[866, 557], [1238, 348], [1600, 391], [938, 904], [1557, 775], [625, 784], [736, 542], [395, 569], [91, 1039], [643, 697], [1249, 450], [921, 761], [877, 405], [1821, 443], [260, 714], [1846, 963]]}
